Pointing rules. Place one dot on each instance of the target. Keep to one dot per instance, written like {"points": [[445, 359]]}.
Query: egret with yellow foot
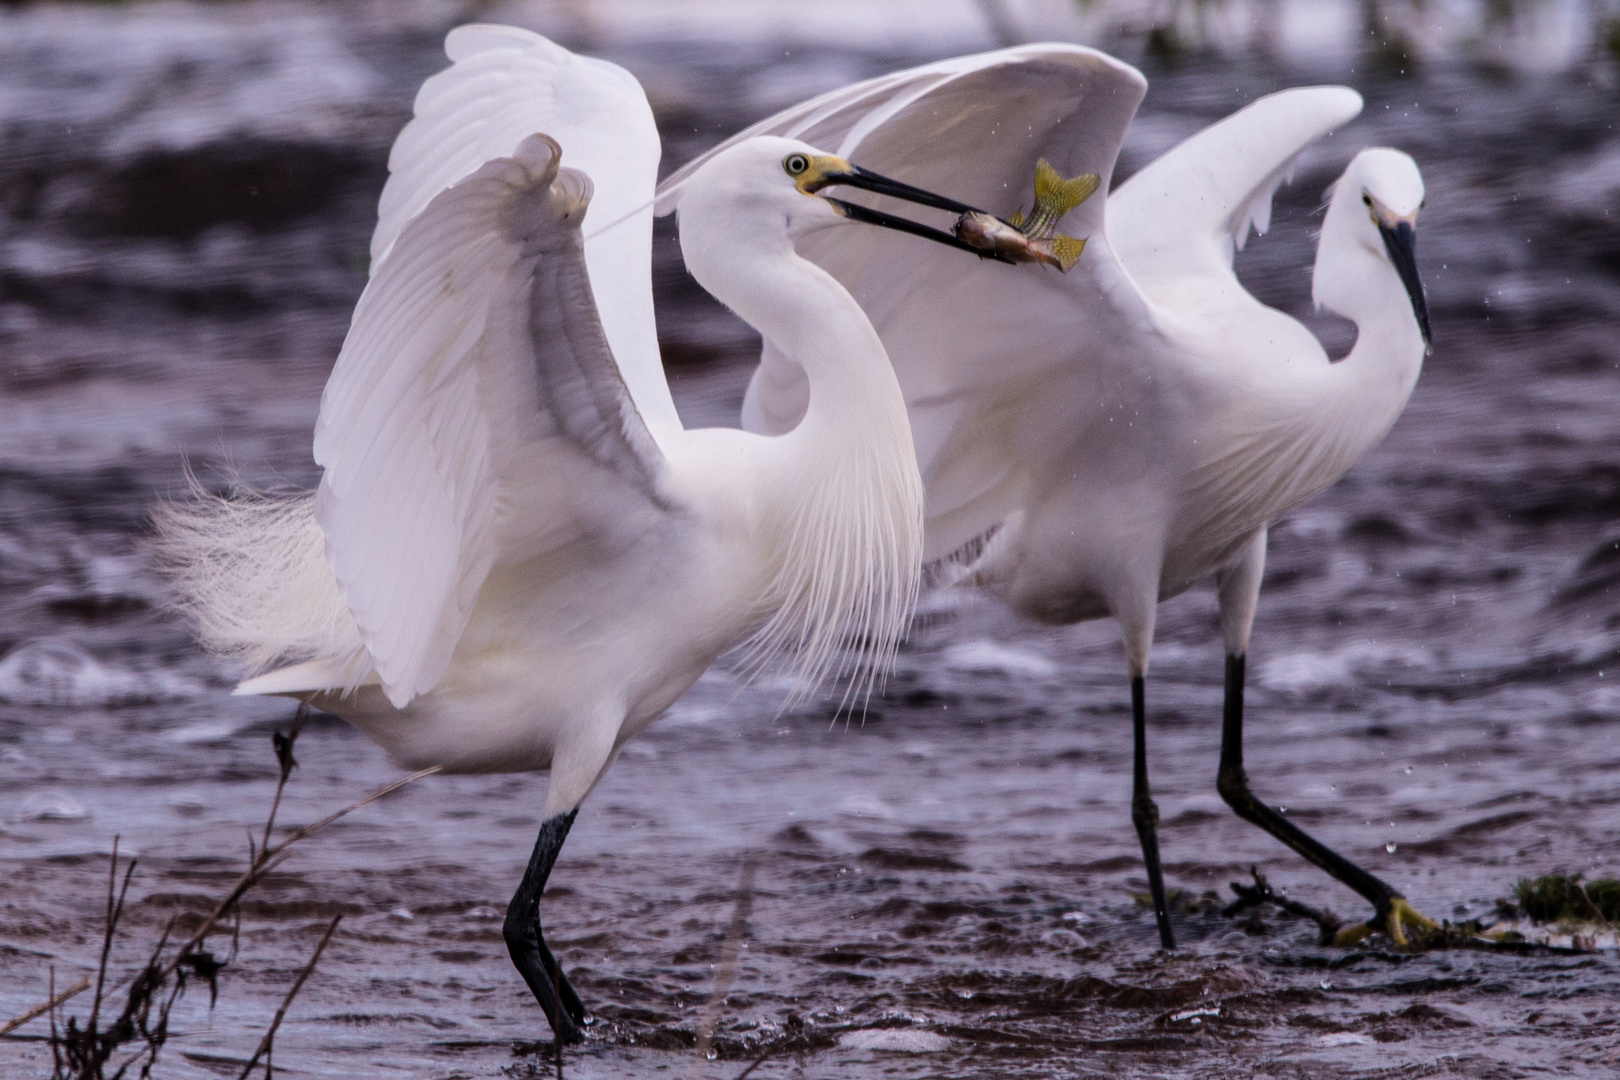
{"points": [[1098, 441]]}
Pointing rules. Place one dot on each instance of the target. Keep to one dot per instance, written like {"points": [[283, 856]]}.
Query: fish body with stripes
{"points": [[1034, 238]]}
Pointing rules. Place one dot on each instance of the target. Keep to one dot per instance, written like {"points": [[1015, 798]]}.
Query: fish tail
{"points": [[1061, 195], [1066, 249]]}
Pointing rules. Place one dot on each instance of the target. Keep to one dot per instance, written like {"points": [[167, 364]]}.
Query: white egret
{"points": [[517, 558], [1095, 442]]}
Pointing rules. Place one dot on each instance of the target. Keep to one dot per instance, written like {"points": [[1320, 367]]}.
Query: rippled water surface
{"points": [[944, 890]]}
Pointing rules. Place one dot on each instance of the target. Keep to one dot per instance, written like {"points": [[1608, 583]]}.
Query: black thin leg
{"points": [[1234, 788], [527, 945], [1145, 812]]}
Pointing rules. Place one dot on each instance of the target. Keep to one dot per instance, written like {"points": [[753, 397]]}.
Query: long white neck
{"points": [[1305, 425], [1354, 278], [843, 503]]}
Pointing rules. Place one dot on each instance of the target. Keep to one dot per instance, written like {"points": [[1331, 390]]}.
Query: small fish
{"points": [[1033, 239]]}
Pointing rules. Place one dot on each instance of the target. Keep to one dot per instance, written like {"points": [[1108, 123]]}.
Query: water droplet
{"points": [[1391, 846], [1407, 770], [1327, 984], [712, 1054]]}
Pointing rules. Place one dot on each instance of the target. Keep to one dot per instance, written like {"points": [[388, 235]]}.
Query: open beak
{"points": [[830, 171], [1400, 240]]}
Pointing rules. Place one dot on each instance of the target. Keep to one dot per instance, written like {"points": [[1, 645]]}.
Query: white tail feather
{"points": [[250, 571]]}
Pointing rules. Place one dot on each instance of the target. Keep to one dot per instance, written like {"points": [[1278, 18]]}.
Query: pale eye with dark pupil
{"points": [[796, 164]]}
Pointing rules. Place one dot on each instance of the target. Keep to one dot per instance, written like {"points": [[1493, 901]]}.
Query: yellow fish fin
{"points": [[1016, 218], [1051, 190], [1066, 249]]}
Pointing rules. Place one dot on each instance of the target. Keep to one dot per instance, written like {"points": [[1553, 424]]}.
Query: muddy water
{"points": [[944, 890]]}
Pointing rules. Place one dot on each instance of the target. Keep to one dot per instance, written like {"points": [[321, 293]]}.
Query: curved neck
{"points": [[1354, 278], [811, 318], [840, 496], [1306, 426]]}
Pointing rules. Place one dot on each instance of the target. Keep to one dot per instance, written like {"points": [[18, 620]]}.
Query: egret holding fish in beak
{"points": [[1097, 442], [517, 557]]}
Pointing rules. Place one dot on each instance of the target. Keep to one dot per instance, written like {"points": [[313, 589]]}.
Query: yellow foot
{"points": [[1401, 915], [1353, 934]]}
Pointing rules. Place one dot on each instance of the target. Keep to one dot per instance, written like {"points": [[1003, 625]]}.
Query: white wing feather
{"points": [[840, 120], [474, 370], [968, 339], [504, 85], [1183, 216]]}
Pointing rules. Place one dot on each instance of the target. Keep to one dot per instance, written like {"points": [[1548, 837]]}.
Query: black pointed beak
{"points": [[905, 225], [1400, 241], [867, 180]]}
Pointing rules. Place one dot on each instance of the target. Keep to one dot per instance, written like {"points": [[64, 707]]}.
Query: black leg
{"points": [[527, 945], [1145, 812], [1390, 907]]}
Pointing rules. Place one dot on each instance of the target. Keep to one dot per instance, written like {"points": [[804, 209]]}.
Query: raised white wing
{"points": [[969, 340], [840, 121], [1176, 223], [475, 395], [504, 85]]}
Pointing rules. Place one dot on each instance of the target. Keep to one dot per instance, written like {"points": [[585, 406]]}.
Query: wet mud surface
{"points": [[942, 890]]}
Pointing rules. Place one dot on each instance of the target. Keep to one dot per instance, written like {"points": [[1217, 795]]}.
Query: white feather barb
{"points": [[1255, 214], [249, 569], [851, 569]]}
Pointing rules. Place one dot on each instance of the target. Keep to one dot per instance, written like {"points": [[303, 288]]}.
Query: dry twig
{"points": [[82, 1053], [266, 1044], [756, 1064], [269, 857], [1252, 896], [728, 964], [40, 1010]]}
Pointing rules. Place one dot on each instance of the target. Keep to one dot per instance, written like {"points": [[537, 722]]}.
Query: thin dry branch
{"points": [[271, 856], [286, 762], [40, 1010], [84, 1052], [728, 964], [270, 1036], [1261, 892], [115, 910]]}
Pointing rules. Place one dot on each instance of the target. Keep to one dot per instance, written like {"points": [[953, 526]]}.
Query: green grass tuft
{"points": [[1565, 897]]}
